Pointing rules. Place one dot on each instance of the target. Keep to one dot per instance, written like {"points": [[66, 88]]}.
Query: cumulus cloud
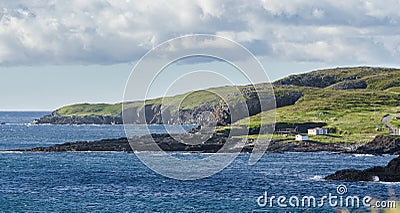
{"points": [[107, 32]]}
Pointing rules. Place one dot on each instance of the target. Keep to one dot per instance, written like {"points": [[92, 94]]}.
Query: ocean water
{"points": [[119, 182]]}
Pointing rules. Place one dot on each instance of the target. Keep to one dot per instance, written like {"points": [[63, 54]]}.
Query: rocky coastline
{"points": [[171, 143], [76, 120], [215, 142], [381, 145], [388, 173]]}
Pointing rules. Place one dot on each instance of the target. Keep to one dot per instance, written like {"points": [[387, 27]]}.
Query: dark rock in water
{"points": [[203, 140], [381, 145], [350, 175], [188, 142], [305, 146], [389, 173], [120, 144], [164, 142], [55, 119]]}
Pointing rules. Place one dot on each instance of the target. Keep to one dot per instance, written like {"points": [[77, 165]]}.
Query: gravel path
{"points": [[385, 121]]}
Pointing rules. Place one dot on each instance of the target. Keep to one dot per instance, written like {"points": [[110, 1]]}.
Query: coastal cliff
{"points": [[156, 112], [315, 96], [338, 99]]}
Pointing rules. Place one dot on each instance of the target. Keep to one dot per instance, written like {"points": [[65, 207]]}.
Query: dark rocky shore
{"points": [[56, 119], [168, 143], [380, 145], [388, 173]]}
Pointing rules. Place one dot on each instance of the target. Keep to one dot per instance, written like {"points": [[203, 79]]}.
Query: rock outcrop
{"points": [[56, 119], [161, 114], [165, 142], [214, 142], [381, 145], [389, 173], [347, 85], [174, 143], [106, 145]]}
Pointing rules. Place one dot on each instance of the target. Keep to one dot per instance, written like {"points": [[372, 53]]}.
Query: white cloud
{"points": [[107, 32]]}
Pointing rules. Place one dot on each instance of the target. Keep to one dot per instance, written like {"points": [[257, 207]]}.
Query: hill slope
{"points": [[349, 101], [351, 112]]}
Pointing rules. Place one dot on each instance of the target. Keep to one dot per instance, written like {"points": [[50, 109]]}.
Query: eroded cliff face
{"points": [[206, 113]]}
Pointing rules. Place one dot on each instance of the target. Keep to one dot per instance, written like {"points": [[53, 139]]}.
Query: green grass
{"points": [[395, 123], [336, 138], [376, 78], [332, 138], [352, 114], [185, 101], [267, 136], [393, 90], [90, 110]]}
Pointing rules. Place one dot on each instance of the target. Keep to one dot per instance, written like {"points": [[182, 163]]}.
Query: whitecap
{"points": [[389, 183], [363, 155], [12, 152], [317, 178]]}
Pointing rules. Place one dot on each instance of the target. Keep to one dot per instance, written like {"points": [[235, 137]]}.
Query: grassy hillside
{"points": [[90, 110], [351, 101], [396, 122], [186, 101], [191, 100], [374, 78], [352, 115]]}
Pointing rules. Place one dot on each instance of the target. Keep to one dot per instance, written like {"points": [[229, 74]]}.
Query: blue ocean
{"points": [[119, 182]]}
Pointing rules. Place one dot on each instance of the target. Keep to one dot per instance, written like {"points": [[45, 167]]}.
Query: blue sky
{"points": [[54, 53]]}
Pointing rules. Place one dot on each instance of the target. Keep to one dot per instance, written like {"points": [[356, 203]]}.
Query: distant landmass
{"points": [[349, 102]]}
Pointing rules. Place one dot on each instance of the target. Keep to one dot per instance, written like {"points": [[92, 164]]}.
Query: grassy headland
{"points": [[351, 101]]}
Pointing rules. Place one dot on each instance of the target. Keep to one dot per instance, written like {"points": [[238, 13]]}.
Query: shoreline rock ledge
{"points": [[56, 119], [388, 173]]}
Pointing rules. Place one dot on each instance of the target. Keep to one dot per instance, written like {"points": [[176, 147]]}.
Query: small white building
{"points": [[318, 131], [300, 137]]}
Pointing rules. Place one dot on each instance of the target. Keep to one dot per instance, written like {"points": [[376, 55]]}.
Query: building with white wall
{"points": [[300, 137], [318, 131]]}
